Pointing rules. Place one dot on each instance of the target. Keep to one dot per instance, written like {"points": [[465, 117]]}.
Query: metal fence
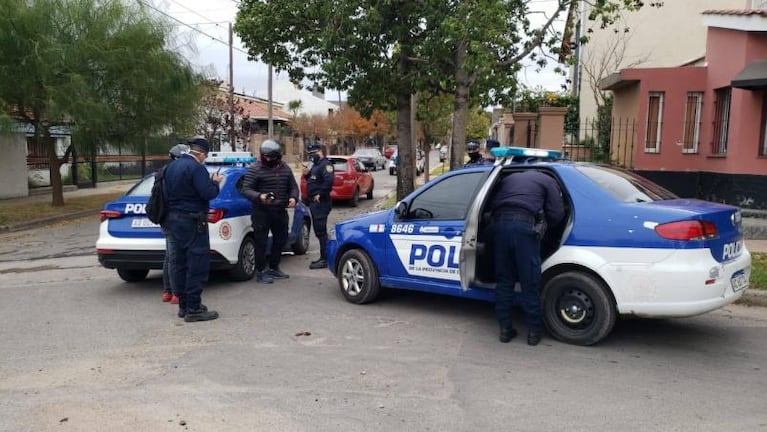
{"points": [[609, 140]]}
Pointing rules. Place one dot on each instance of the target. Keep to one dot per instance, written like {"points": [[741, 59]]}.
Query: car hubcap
{"points": [[305, 236], [575, 309], [249, 258], [352, 277]]}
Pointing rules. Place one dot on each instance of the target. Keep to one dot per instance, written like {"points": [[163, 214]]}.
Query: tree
{"points": [[215, 112], [102, 69]]}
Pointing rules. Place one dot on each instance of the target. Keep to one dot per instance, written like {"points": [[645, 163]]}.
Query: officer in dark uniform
{"points": [[189, 189], [169, 292], [524, 201], [270, 186], [319, 183], [475, 157]]}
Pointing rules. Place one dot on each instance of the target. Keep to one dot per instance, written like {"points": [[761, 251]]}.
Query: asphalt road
{"points": [[84, 351]]}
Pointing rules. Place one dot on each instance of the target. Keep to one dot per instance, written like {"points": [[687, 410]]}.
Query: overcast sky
{"points": [[204, 40]]}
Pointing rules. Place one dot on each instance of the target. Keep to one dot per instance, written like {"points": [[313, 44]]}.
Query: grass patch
{"points": [[758, 271], [13, 213]]}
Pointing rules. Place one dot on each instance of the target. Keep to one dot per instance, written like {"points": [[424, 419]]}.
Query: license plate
{"points": [[143, 223], [739, 281]]}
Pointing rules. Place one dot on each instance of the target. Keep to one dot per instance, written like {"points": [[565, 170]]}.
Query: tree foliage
{"points": [[102, 68]]}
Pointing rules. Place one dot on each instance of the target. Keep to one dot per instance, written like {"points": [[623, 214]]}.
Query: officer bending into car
{"points": [[270, 186], [319, 183], [169, 291], [189, 189], [521, 209], [475, 157]]}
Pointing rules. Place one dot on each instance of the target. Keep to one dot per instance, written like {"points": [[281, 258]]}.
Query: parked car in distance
{"points": [[627, 247], [419, 163], [352, 180], [389, 151], [370, 157], [131, 244]]}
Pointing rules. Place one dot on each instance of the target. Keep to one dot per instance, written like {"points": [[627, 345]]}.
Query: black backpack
{"points": [[156, 207]]}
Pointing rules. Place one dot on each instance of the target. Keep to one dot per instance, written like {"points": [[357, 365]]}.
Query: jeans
{"points": [[167, 267], [190, 260], [517, 253], [265, 220]]}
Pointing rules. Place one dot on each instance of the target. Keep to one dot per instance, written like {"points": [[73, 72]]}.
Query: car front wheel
{"points": [[358, 277], [302, 242], [245, 268], [132, 275], [578, 309]]}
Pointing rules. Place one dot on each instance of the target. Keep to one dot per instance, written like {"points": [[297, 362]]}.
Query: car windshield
{"points": [[626, 186], [365, 152]]}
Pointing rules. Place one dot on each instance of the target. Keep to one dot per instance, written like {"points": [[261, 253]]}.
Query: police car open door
{"points": [[470, 241]]}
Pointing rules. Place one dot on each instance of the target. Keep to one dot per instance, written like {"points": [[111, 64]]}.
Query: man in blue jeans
{"points": [[189, 189], [524, 203]]}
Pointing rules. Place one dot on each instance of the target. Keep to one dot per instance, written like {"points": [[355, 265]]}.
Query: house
{"points": [[285, 92], [701, 127], [651, 37]]}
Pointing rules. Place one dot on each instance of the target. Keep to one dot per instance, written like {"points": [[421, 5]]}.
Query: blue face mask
{"points": [[315, 158]]}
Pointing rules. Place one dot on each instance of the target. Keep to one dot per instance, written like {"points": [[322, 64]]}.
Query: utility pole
{"points": [[270, 120], [232, 139]]}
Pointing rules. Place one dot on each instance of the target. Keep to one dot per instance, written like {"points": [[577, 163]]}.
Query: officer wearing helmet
{"points": [[270, 186], [319, 183], [475, 157], [169, 291]]}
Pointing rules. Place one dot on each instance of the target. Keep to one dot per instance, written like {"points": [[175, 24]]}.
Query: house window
{"points": [[692, 122], [721, 120], [654, 122]]}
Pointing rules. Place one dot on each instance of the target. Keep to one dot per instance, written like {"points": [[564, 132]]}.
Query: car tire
{"points": [[245, 268], [132, 275], [391, 171], [578, 308], [358, 277], [355, 198], [370, 192], [302, 242], [375, 167]]}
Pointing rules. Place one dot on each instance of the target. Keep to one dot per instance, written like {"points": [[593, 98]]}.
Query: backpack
{"points": [[156, 207]]}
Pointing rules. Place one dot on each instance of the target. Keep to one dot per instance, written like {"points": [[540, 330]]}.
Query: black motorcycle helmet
{"points": [[271, 152], [472, 146]]}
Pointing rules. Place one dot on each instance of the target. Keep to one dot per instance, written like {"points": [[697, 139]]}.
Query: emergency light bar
{"points": [[505, 152], [229, 158]]}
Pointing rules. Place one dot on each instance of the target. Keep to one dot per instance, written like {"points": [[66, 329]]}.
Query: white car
{"points": [[131, 244], [420, 160]]}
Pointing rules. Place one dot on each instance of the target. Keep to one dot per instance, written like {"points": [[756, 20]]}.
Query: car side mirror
{"points": [[400, 210]]}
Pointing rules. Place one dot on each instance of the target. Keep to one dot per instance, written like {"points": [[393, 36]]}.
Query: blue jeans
{"points": [[190, 258], [167, 267], [517, 253]]}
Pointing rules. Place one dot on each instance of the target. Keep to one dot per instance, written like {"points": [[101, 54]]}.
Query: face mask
{"points": [[315, 158], [474, 156], [269, 162]]}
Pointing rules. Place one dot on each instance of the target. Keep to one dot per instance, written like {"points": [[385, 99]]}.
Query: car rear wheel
{"points": [[358, 277], [578, 309], [355, 198], [302, 242], [391, 171], [370, 192], [245, 268], [132, 275]]}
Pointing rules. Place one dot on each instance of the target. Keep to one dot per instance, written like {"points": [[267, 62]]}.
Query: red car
{"points": [[389, 151], [352, 180]]}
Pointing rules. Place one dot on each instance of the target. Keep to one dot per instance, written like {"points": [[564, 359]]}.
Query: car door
{"points": [[424, 251]]}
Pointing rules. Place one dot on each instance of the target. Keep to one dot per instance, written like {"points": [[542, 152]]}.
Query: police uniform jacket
{"points": [[478, 162], [526, 194], [320, 178], [261, 179], [188, 186]]}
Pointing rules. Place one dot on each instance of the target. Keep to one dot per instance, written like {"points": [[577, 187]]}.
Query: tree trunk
{"points": [[54, 165], [405, 177], [460, 108]]}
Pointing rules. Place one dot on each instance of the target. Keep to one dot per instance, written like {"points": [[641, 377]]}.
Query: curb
{"points": [[753, 297], [47, 220]]}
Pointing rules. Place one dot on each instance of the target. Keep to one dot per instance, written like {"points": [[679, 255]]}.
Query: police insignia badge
{"points": [[329, 168]]}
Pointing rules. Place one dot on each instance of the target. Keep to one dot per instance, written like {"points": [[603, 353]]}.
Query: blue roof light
{"points": [[502, 152], [230, 158]]}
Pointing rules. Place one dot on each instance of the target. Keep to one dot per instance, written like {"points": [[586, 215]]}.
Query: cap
{"points": [[177, 150], [491, 143], [199, 142], [313, 148], [472, 146]]}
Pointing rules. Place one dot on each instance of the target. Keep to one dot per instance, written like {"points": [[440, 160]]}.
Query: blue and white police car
{"points": [[130, 243], [627, 246]]}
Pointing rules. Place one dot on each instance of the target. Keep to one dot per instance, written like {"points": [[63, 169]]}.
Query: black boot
{"points": [[534, 337], [507, 335], [319, 264]]}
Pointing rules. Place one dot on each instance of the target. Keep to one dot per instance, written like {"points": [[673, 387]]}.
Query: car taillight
{"points": [[109, 214], [215, 215], [687, 230]]}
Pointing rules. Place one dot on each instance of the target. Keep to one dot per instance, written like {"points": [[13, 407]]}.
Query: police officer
{"points": [[169, 292], [475, 157], [189, 189], [319, 183], [524, 201], [270, 186]]}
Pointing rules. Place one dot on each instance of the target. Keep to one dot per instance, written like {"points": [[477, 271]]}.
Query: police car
{"points": [[627, 246], [133, 245]]}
